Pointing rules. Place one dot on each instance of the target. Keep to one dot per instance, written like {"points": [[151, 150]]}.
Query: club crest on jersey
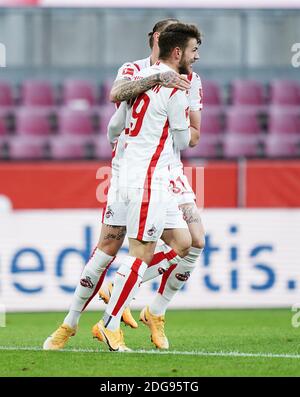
{"points": [[183, 277], [109, 213], [152, 231], [87, 282]]}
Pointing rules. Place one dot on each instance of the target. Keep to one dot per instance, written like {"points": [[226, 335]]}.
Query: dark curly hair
{"points": [[177, 35]]}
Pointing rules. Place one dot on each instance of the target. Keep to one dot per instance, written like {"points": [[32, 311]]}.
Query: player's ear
{"points": [[177, 53], [156, 37]]}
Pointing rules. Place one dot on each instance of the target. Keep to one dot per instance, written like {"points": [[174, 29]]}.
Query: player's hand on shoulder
{"points": [[171, 79]]}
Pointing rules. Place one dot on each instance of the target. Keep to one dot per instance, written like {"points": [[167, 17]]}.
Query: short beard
{"points": [[183, 69]]}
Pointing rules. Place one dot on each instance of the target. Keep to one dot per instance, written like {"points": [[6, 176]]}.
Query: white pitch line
{"points": [[160, 352]]}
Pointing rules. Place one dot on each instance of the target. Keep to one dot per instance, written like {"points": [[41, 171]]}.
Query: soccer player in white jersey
{"points": [[159, 120], [176, 276], [112, 237]]}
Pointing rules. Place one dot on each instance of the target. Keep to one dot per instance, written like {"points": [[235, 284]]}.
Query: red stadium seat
{"points": [[33, 121], [284, 121], [37, 93], [285, 92], [103, 149], [284, 133], [242, 121], [105, 91], [27, 148], [243, 133], [3, 129], [247, 92], [68, 147], [6, 97], [75, 122], [211, 93], [105, 113], [235, 145], [282, 146], [82, 90], [210, 137], [3, 136]]}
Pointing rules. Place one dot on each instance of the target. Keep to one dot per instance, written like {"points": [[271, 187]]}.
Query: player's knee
{"points": [[108, 247], [184, 246], [199, 242]]}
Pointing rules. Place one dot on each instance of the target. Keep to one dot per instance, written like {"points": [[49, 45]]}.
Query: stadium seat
{"points": [[33, 121], [282, 146], [2, 137], [70, 147], [242, 121], [105, 91], [283, 138], [79, 91], [210, 138], [37, 93], [243, 133], [105, 113], [247, 93], [3, 129], [6, 97], [27, 148], [33, 130], [235, 145], [103, 149], [211, 93], [284, 121], [75, 122], [285, 93]]}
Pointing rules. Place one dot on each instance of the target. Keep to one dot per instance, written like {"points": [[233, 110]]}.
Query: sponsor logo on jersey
{"points": [[129, 71]]}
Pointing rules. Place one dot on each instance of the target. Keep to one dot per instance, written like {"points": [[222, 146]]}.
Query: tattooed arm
{"points": [[190, 213], [125, 90]]}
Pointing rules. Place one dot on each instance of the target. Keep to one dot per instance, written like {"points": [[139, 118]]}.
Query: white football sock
{"points": [[157, 267], [88, 285], [126, 285], [173, 280], [163, 257]]}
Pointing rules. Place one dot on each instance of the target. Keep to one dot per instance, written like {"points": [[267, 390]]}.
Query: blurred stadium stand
{"points": [[245, 125], [54, 92]]}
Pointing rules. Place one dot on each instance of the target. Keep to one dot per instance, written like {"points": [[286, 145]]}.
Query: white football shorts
{"points": [[116, 210], [180, 187]]}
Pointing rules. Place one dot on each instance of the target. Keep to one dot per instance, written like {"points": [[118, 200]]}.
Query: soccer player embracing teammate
{"points": [[140, 202]]}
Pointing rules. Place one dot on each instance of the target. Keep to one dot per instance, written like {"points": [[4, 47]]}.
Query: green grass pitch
{"points": [[202, 343]]}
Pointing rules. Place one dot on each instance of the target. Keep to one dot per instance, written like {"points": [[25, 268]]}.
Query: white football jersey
{"points": [[149, 149], [128, 71]]}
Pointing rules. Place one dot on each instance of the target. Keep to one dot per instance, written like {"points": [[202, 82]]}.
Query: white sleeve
{"points": [[178, 111], [178, 116], [117, 123], [195, 93], [181, 138], [126, 71]]}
